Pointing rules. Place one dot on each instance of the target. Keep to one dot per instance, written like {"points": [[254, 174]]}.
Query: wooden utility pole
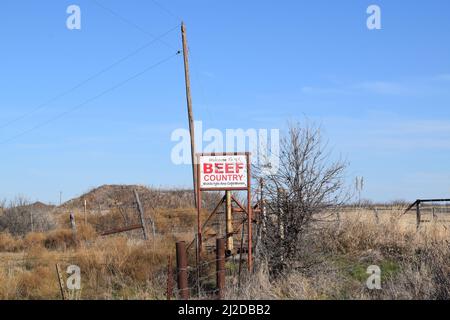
{"points": [[189, 107], [249, 218], [199, 212]]}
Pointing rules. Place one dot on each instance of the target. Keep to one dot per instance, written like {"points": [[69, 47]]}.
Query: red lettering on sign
{"points": [[223, 168], [208, 168], [219, 167]]}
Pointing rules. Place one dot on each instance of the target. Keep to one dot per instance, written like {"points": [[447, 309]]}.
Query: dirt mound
{"points": [[40, 206], [34, 207], [112, 196]]}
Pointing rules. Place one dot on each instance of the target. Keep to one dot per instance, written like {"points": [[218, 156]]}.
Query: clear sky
{"points": [[381, 96]]}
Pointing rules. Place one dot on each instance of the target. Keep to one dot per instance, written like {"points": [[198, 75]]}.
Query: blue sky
{"points": [[382, 97]]}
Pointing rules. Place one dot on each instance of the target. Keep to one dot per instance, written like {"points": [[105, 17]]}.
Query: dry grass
{"points": [[8, 243], [414, 264], [111, 268]]}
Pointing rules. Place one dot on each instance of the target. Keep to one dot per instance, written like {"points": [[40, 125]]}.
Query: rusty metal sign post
{"points": [[182, 273]]}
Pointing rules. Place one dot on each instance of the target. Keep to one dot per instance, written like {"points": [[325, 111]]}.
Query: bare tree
{"points": [[307, 187], [22, 217], [2, 206]]}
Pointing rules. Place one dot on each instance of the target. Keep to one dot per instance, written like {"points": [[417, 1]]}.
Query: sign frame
{"points": [[248, 189], [225, 154]]}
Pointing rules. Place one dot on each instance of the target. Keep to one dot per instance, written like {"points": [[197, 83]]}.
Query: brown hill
{"points": [[107, 197], [40, 206]]}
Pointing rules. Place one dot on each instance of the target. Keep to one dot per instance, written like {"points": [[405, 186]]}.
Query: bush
{"points": [[34, 239], [21, 218], [60, 239], [307, 184], [8, 243]]}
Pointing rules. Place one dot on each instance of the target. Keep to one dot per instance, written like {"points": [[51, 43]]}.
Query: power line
{"points": [[79, 106], [82, 83], [163, 8], [129, 22]]}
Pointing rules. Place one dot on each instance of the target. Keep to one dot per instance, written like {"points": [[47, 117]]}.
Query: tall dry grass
{"points": [[111, 268], [414, 264]]}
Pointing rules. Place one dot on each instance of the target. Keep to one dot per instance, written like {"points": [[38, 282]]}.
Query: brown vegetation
{"points": [[414, 264], [332, 265]]}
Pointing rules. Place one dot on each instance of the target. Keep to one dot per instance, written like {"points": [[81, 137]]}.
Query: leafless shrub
{"points": [[2, 206], [22, 217], [307, 185]]}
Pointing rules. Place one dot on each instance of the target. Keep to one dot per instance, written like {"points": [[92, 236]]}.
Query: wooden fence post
{"points": [[72, 222], [61, 283], [85, 212], [418, 216], [141, 215], [169, 278], [229, 223], [220, 268]]}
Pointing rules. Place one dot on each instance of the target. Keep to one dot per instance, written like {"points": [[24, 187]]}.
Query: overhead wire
{"points": [[169, 12], [71, 110], [87, 80], [139, 28], [130, 23]]}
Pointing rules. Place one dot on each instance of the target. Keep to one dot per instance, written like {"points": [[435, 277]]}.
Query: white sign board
{"points": [[223, 172]]}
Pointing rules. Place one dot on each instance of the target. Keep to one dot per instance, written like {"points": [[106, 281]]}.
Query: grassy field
{"points": [[124, 266], [414, 263]]}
